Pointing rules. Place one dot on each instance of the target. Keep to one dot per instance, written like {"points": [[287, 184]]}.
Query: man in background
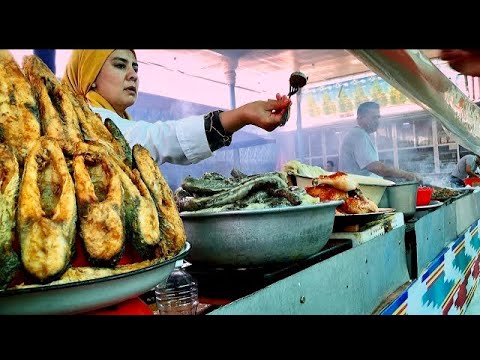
{"points": [[330, 166], [358, 153], [465, 168]]}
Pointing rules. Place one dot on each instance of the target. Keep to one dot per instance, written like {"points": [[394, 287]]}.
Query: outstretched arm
{"points": [[381, 169], [189, 140], [468, 170], [263, 114]]}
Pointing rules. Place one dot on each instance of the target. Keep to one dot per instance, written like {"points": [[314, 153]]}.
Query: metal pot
{"points": [[247, 238], [403, 197]]}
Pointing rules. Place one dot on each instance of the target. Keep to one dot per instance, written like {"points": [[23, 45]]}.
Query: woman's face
{"points": [[117, 81]]}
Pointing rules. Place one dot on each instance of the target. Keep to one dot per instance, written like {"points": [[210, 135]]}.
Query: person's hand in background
{"points": [[415, 177], [465, 61]]}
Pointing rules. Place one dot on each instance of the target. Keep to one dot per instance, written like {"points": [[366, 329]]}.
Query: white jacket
{"points": [[178, 142]]}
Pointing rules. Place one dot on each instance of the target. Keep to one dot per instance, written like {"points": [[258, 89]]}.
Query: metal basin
{"points": [[259, 237], [403, 198]]}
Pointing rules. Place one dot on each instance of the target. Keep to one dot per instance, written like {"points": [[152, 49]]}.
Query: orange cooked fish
{"points": [[354, 203], [338, 180], [358, 205], [326, 192]]}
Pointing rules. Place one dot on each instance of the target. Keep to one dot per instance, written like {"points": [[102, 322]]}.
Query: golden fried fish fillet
{"points": [[9, 184], [57, 115], [141, 216], [19, 124], [94, 129], [99, 200], [84, 273], [47, 212], [173, 231]]}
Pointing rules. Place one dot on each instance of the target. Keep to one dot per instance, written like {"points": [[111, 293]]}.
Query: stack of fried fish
{"points": [[65, 176]]}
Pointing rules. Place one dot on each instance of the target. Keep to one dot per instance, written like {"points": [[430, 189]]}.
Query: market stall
{"points": [[373, 277], [259, 246]]}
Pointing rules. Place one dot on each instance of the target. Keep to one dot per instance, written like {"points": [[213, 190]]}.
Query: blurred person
{"points": [[359, 155], [465, 61], [465, 168], [109, 81], [330, 166]]}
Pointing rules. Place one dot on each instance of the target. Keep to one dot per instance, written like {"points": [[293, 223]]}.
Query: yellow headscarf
{"points": [[82, 70]]}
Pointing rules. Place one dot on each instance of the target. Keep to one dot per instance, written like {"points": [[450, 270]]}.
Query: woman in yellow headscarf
{"points": [[108, 79]]}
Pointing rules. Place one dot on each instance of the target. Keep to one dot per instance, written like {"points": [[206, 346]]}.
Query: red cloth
{"points": [[129, 256], [129, 307], [133, 306]]}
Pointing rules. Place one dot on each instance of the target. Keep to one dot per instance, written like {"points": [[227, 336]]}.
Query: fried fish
{"points": [[173, 231], [99, 200], [141, 216], [19, 114], [9, 183], [57, 115], [94, 129], [47, 212]]}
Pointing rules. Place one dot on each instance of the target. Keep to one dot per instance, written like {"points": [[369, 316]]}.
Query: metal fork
{"points": [[297, 81]]}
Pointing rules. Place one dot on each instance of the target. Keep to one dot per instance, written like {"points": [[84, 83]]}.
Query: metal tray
{"points": [[361, 219], [259, 237], [88, 295], [432, 205]]}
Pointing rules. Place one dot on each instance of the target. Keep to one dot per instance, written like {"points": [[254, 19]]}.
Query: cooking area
{"points": [[272, 221]]}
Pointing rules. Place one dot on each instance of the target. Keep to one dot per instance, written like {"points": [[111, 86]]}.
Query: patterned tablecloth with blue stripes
{"points": [[447, 285]]}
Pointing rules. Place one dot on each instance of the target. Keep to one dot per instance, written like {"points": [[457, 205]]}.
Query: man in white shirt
{"points": [[359, 155]]}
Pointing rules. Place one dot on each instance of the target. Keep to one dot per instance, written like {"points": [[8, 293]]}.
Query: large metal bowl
{"points": [[86, 295], [253, 238]]}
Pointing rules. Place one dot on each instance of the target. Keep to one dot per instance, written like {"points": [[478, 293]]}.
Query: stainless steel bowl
{"points": [[259, 237], [403, 198]]}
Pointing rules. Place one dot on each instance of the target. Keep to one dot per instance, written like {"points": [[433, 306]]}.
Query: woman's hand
{"points": [[466, 62], [263, 114], [414, 177]]}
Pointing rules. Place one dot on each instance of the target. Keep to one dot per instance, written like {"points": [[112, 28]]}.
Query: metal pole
{"points": [[231, 75], [47, 56], [299, 133]]}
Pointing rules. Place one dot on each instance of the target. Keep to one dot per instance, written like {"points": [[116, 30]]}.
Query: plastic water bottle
{"points": [[179, 294]]}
